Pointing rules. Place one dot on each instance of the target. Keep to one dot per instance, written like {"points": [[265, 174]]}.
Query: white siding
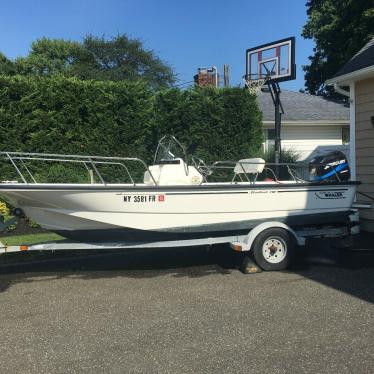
{"points": [[311, 140]]}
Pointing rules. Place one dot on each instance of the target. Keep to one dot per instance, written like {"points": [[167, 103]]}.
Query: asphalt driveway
{"points": [[187, 311]]}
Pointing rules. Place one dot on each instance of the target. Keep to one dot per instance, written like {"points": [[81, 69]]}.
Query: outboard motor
{"points": [[332, 166]]}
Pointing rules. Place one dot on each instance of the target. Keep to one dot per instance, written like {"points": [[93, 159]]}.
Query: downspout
{"points": [[340, 90], [352, 129], [352, 124]]}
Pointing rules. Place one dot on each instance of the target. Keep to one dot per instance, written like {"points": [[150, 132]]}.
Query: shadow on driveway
{"points": [[348, 271], [193, 262], [351, 272]]}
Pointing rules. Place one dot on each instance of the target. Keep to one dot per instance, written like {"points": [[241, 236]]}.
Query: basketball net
{"points": [[254, 86]]}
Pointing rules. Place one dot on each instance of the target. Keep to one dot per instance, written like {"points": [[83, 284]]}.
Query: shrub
{"points": [[287, 156], [69, 116], [4, 209], [213, 124]]}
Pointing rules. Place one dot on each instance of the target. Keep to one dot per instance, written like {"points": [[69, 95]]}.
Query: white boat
{"points": [[174, 200]]}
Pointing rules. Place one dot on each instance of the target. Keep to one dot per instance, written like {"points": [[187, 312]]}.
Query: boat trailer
{"points": [[268, 246]]}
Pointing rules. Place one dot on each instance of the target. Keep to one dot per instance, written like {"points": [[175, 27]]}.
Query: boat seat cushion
{"points": [[249, 166]]}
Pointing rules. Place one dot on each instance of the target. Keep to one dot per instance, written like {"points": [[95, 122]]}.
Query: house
{"points": [[356, 80], [310, 125]]}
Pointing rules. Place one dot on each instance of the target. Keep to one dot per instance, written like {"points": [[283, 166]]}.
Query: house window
{"points": [[345, 135], [269, 138]]}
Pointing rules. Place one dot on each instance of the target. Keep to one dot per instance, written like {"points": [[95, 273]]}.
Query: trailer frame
{"points": [[239, 243]]}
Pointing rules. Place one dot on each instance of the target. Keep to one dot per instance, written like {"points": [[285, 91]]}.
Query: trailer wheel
{"points": [[273, 248]]}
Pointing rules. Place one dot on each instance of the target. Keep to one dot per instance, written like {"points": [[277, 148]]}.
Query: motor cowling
{"points": [[332, 166]]}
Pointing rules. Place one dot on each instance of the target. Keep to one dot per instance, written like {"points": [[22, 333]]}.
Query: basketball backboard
{"points": [[275, 60]]}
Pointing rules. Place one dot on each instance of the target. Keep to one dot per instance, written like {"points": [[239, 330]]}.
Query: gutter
{"points": [[341, 90], [355, 75], [325, 122]]}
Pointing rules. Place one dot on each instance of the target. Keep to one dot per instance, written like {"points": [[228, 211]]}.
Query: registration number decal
{"points": [[143, 198]]}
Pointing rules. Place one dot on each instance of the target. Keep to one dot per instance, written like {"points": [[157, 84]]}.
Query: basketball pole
{"points": [[275, 94], [275, 62]]}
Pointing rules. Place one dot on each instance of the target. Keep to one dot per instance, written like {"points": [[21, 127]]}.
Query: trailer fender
{"points": [[246, 244]]}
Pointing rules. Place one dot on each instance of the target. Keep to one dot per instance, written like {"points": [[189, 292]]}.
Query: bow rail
{"points": [[93, 161]]}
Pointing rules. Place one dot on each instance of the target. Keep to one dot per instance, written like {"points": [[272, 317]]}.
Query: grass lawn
{"points": [[30, 238]]}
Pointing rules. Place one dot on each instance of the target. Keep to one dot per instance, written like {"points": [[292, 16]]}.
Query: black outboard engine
{"points": [[330, 167]]}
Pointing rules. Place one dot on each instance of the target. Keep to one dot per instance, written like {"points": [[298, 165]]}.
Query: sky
{"points": [[186, 34]]}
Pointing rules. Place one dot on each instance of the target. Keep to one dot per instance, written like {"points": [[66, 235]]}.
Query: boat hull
{"points": [[96, 212]]}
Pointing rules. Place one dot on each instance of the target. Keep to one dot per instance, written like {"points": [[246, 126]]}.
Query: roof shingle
{"points": [[303, 107], [361, 60]]}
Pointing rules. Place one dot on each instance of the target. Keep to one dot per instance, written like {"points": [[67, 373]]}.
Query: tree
{"points": [[340, 29], [115, 59], [123, 58], [51, 56], [6, 66]]}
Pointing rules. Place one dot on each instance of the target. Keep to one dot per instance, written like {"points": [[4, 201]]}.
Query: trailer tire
{"points": [[273, 249]]}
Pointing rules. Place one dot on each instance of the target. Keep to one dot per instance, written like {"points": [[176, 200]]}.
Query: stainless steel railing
{"points": [[17, 159], [297, 172]]}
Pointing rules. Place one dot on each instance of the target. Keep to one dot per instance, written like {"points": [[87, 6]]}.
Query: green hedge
{"points": [[67, 115], [71, 116], [214, 124]]}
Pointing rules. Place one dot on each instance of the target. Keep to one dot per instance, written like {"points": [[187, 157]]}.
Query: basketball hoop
{"points": [[254, 85], [273, 62]]}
